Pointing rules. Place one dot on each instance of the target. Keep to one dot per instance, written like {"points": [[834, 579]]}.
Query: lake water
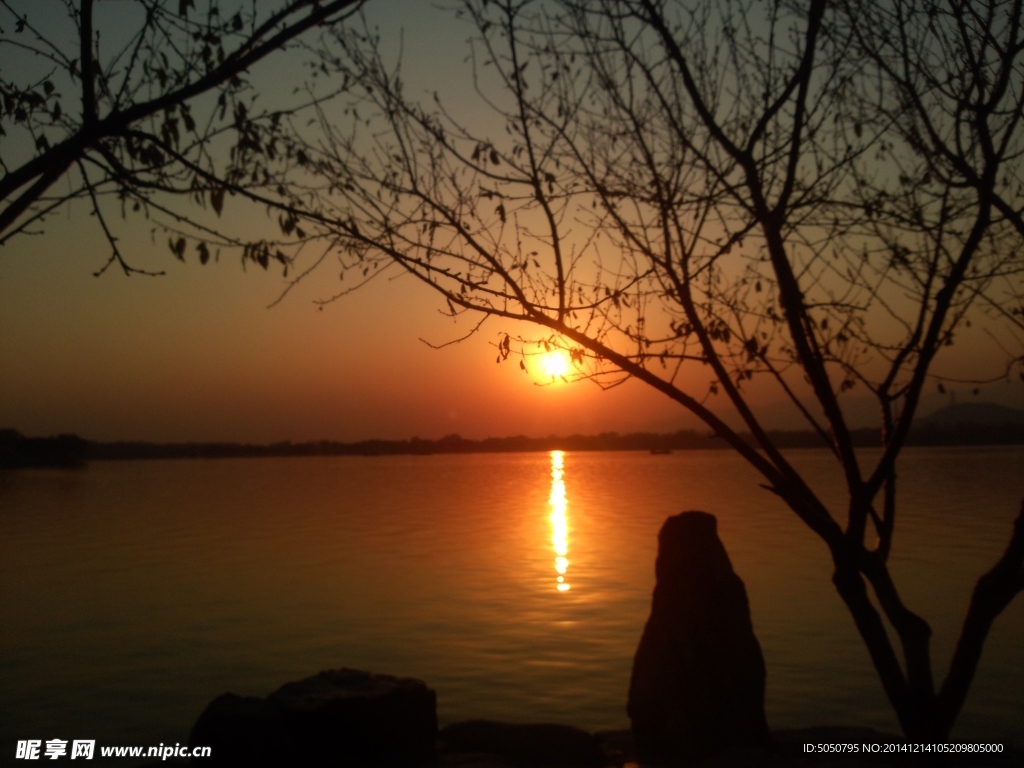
{"points": [[516, 585]]}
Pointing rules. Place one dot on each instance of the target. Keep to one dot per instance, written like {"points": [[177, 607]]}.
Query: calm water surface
{"points": [[516, 585]]}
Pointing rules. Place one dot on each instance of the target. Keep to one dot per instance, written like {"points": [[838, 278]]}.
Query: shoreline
{"points": [[71, 451]]}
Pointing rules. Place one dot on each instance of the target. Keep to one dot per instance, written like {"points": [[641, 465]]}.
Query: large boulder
{"points": [[697, 687], [338, 717]]}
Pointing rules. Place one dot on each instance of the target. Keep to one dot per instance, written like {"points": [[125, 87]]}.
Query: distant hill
{"points": [[970, 424], [988, 414]]}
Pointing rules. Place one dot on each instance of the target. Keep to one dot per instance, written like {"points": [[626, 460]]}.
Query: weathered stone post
{"points": [[698, 675]]}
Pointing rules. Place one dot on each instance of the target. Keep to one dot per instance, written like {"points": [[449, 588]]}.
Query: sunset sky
{"points": [[197, 355]]}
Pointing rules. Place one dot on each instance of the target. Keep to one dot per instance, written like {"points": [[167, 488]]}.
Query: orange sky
{"points": [[196, 355]]}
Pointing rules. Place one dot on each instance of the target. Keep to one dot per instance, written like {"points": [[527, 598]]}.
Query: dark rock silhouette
{"points": [[338, 717], [698, 679], [541, 744], [240, 730]]}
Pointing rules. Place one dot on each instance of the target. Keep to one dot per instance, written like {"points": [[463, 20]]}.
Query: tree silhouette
{"points": [[164, 110], [813, 197]]}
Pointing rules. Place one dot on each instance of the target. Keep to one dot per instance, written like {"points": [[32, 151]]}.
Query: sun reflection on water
{"points": [[559, 522]]}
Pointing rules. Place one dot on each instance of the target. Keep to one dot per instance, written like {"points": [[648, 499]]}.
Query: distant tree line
{"points": [[17, 451]]}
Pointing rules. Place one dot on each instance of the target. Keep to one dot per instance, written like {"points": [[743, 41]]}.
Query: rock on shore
{"points": [[338, 717]]}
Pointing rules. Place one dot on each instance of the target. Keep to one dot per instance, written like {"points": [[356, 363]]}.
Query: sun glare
{"points": [[555, 364]]}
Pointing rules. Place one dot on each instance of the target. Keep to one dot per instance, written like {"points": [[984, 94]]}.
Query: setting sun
{"points": [[554, 364]]}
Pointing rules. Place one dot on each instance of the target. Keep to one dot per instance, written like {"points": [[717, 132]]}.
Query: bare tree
{"points": [[808, 196], [155, 108]]}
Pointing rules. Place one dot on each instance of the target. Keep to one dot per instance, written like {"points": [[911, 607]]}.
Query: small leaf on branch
{"points": [[217, 200], [751, 347], [178, 248]]}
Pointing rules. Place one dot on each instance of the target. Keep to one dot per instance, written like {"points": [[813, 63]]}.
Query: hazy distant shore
{"points": [[958, 425]]}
